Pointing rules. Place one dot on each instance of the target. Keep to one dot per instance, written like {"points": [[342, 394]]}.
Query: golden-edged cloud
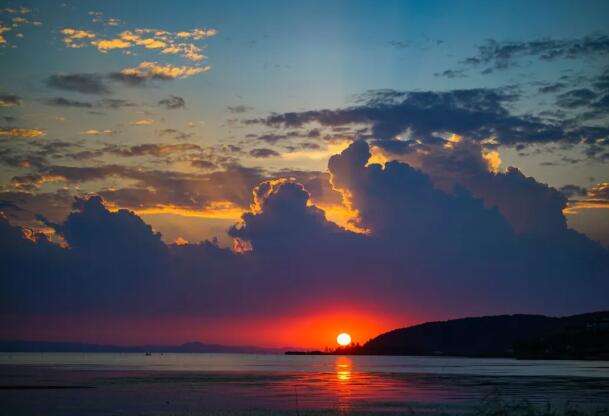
{"points": [[95, 132], [75, 38], [167, 42], [14, 132], [596, 197], [154, 70], [143, 122]]}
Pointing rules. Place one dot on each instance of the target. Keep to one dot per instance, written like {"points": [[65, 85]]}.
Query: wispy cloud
{"points": [[95, 132], [9, 100], [79, 82], [173, 102], [143, 122], [14, 132]]}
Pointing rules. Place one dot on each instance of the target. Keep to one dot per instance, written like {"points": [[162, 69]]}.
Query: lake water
{"points": [[193, 384]]}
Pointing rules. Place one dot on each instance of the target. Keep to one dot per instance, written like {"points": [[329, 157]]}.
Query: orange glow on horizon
{"points": [[311, 332]]}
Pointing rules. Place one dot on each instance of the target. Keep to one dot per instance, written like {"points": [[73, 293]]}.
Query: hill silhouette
{"points": [[522, 336], [584, 336]]}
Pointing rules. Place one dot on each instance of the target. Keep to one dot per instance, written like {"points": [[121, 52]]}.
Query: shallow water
{"points": [[116, 384]]}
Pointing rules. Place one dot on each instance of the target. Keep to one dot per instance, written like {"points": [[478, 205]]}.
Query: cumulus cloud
{"points": [[427, 251], [75, 38], [529, 206]]}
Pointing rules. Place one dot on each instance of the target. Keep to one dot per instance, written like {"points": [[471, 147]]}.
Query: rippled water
{"points": [[100, 384]]}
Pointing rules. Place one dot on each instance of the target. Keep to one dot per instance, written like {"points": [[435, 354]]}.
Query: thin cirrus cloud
{"points": [[106, 103], [496, 55]]}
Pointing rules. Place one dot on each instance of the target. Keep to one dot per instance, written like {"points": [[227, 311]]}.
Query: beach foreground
{"points": [[227, 384]]}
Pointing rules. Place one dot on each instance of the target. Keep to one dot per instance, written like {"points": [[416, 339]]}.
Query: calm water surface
{"points": [[116, 384]]}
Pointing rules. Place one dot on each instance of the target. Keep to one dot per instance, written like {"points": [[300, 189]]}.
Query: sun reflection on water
{"points": [[343, 389], [343, 369]]}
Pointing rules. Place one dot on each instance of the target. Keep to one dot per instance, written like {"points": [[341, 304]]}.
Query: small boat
{"points": [[148, 354]]}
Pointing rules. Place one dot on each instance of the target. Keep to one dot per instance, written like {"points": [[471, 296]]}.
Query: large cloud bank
{"points": [[445, 237]]}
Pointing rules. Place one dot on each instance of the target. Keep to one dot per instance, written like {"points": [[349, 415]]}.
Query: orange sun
{"points": [[343, 339]]}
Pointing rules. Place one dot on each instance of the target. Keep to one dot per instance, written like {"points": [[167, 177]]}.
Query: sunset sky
{"points": [[276, 172]]}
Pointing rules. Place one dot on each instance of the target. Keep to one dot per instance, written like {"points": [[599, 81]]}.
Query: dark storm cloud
{"points": [[497, 55], [173, 102], [477, 113], [263, 153], [83, 83], [425, 249]]}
